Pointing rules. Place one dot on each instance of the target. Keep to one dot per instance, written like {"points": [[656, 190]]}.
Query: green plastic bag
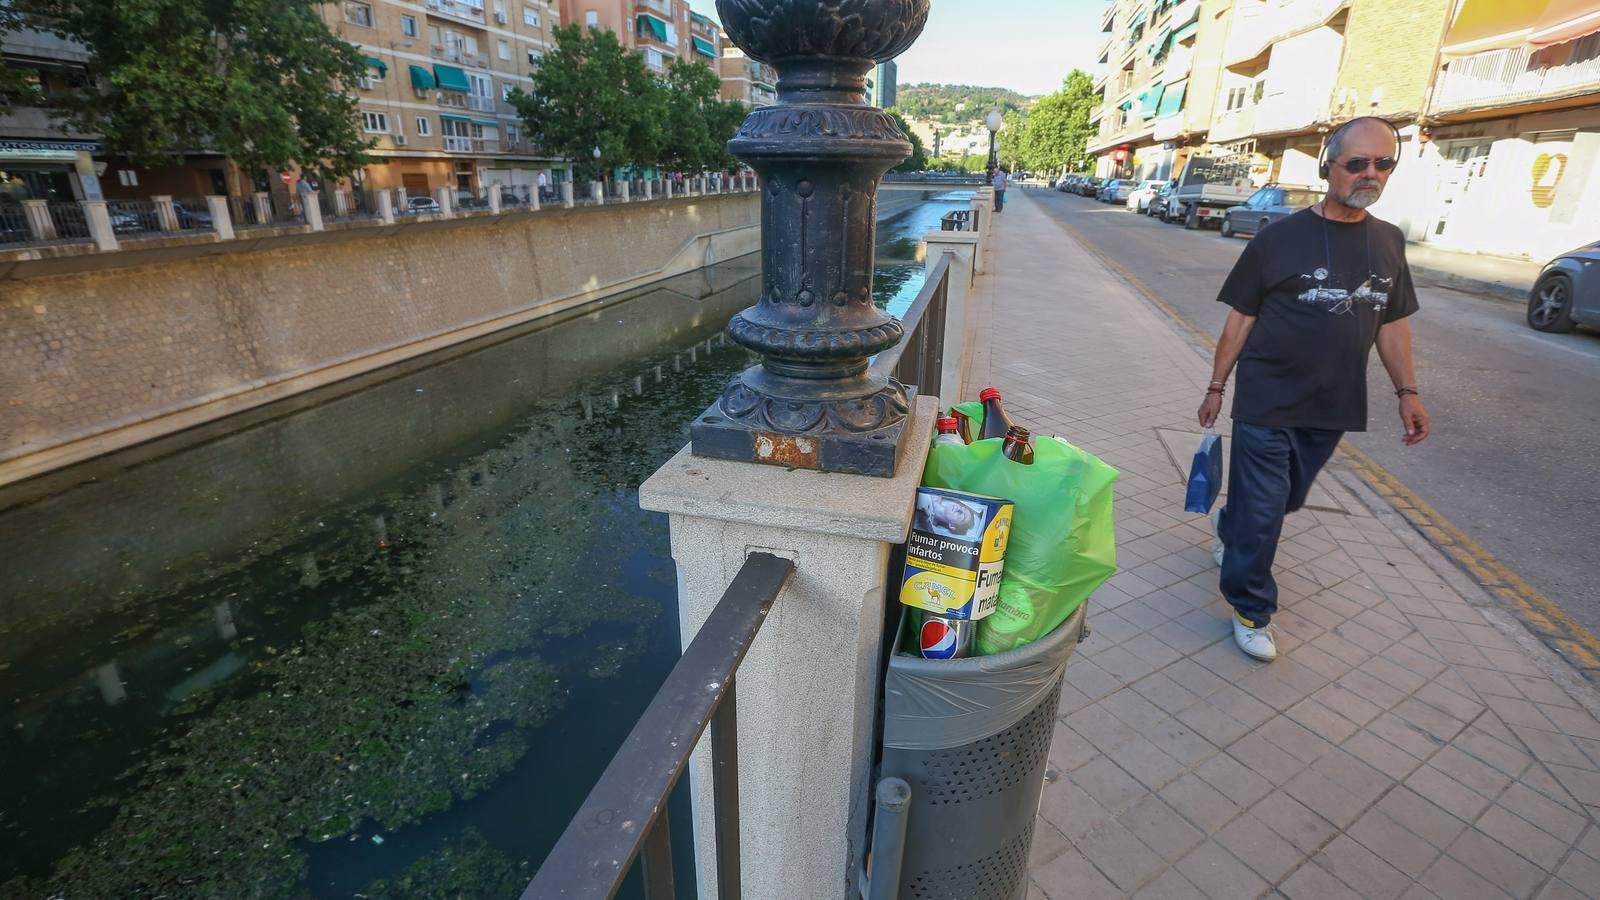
{"points": [[1063, 539]]}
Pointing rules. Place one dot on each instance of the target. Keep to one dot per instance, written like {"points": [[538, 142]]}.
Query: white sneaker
{"points": [[1216, 529], [1256, 642]]}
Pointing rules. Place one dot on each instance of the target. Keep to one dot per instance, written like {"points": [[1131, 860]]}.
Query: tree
{"points": [[918, 160], [1058, 129], [723, 119], [588, 92], [263, 82], [1013, 132], [699, 123]]}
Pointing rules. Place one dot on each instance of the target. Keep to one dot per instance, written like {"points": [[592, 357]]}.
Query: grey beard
{"points": [[1362, 197]]}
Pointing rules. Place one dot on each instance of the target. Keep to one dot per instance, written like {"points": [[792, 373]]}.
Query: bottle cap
{"points": [[988, 394], [1018, 433], [947, 423]]}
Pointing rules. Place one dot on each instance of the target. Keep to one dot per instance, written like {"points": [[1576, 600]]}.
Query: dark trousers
{"points": [[1270, 472], [999, 200]]}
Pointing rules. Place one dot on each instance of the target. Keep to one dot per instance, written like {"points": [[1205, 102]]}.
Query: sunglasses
{"points": [[1358, 164]]}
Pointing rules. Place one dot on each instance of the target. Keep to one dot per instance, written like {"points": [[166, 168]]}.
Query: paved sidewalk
{"points": [[1502, 275], [1407, 743]]}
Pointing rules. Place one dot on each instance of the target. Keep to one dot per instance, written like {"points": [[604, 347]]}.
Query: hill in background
{"points": [[957, 104]]}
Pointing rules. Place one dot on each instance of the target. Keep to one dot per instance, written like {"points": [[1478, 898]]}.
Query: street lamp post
{"points": [[813, 401], [994, 121]]}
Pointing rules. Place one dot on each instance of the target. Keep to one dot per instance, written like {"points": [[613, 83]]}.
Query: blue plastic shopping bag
{"points": [[1205, 475]]}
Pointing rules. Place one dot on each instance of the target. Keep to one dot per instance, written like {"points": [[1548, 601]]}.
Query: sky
{"points": [[1026, 45]]}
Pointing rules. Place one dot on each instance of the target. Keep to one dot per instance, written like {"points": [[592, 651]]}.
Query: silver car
{"points": [[1266, 206], [1567, 292]]}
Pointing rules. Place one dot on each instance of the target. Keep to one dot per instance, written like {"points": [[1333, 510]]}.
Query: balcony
{"points": [[659, 7], [1517, 75], [481, 104], [456, 53], [1256, 28], [464, 10], [454, 144], [1233, 124]]}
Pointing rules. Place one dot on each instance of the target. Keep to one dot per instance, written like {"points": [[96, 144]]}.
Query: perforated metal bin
{"points": [[971, 737]]}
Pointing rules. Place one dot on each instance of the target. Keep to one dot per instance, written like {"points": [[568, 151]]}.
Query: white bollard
{"points": [[566, 195], [221, 217], [311, 206], [40, 225], [98, 219], [597, 192], [446, 198], [166, 214], [386, 207]]}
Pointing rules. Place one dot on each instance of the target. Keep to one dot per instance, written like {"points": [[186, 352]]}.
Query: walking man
{"points": [[1310, 295], [999, 188]]}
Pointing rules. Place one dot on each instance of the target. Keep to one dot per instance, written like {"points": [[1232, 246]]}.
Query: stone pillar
{"points": [[566, 194], [221, 216], [494, 198], [962, 248], [401, 201], [534, 201], [99, 221], [342, 203], [982, 209], [597, 192], [623, 189], [649, 188], [808, 690], [446, 198], [386, 207], [166, 215], [40, 225], [311, 207], [263, 202]]}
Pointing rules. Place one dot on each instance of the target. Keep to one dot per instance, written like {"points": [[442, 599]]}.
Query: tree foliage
{"points": [[918, 160], [263, 82], [1058, 131], [956, 104], [699, 122]]}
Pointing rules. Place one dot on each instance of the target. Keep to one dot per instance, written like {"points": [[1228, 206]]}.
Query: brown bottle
{"points": [[995, 421], [1017, 448]]}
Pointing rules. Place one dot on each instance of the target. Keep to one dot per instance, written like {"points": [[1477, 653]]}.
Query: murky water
{"points": [[378, 640]]}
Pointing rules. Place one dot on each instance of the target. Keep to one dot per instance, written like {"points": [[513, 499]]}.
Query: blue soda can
{"points": [[946, 638]]}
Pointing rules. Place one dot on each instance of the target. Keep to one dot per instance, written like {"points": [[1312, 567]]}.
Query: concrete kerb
{"points": [[1441, 278]]}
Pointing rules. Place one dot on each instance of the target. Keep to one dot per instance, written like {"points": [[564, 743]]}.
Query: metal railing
{"points": [[625, 815], [192, 214], [14, 227], [1507, 76], [133, 217], [918, 178], [919, 357], [959, 220]]}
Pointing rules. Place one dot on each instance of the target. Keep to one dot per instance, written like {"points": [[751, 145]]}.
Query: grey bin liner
{"points": [[971, 737]]}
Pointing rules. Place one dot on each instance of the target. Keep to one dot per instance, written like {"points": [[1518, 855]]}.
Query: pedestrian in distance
{"points": [[999, 180], [303, 193], [1311, 295]]}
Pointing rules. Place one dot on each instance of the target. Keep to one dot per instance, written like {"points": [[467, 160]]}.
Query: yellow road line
{"points": [[1541, 614]]}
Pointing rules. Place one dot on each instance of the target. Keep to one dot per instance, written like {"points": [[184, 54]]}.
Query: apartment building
{"points": [[883, 84], [661, 30], [1149, 63], [751, 83], [435, 97]]}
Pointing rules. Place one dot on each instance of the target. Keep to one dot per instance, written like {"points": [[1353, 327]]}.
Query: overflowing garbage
{"points": [[995, 500]]}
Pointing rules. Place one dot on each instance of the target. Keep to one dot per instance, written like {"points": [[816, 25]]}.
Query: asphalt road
{"points": [[1514, 458]]}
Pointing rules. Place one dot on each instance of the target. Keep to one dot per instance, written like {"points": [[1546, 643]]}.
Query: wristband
{"points": [[1401, 392], [1215, 390]]}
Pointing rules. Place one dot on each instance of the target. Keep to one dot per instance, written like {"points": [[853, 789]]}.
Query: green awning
{"points": [[1137, 20], [764, 86], [449, 118], [490, 123], [1149, 101], [1159, 45], [451, 78], [1186, 32], [704, 46], [655, 27], [1172, 100], [422, 79], [1128, 104], [375, 63]]}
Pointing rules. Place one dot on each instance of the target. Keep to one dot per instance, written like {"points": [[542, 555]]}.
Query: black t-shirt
{"points": [[1319, 290]]}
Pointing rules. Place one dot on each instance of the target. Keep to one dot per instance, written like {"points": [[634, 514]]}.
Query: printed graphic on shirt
{"points": [[1373, 292]]}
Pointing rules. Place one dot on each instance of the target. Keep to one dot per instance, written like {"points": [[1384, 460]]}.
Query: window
{"points": [[591, 19], [1260, 91], [506, 88], [534, 57], [653, 58], [424, 126], [530, 17], [512, 135], [504, 49], [375, 122], [408, 26], [374, 74], [358, 13]]}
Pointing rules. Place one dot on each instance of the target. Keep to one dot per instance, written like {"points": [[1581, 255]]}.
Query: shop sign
{"points": [[19, 146]]}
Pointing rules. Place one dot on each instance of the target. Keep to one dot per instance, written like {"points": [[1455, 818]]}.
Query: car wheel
{"points": [[1191, 219], [1227, 227], [1550, 304]]}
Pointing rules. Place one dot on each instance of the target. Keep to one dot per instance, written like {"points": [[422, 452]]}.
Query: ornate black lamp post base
{"points": [[820, 150]]}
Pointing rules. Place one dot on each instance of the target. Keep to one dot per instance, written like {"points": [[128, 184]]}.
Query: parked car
{"points": [[1140, 196], [1157, 206], [1116, 190], [1266, 206], [422, 205], [191, 217], [1567, 292], [1089, 186]]}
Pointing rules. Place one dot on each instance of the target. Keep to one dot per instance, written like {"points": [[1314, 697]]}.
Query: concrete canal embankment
{"points": [[161, 341]]}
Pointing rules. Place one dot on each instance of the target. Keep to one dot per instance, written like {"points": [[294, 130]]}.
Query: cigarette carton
{"points": [[956, 553]]}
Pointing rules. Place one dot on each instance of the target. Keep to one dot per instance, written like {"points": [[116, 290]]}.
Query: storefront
{"points": [[45, 169]]}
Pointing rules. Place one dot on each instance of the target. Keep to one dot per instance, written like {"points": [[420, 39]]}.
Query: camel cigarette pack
{"points": [[956, 553]]}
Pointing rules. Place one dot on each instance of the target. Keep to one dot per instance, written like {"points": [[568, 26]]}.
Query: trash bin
{"points": [[971, 737]]}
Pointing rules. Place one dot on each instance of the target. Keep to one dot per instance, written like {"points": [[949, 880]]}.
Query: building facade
{"points": [[751, 83], [661, 30], [882, 84], [1497, 104], [436, 95]]}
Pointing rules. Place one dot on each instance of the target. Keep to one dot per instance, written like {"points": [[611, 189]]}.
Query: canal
{"points": [[378, 640]]}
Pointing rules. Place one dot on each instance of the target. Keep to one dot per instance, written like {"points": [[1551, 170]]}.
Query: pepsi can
{"points": [[946, 638]]}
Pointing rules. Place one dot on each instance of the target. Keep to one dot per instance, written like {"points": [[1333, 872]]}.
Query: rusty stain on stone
{"points": [[787, 450]]}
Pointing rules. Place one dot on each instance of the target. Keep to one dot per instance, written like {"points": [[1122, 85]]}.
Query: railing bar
{"points": [[725, 791], [889, 360], [594, 853], [658, 860]]}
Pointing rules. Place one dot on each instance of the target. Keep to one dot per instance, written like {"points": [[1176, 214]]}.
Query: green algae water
{"points": [[375, 641]]}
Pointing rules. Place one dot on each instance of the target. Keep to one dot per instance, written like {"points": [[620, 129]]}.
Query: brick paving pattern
{"points": [[1402, 746]]}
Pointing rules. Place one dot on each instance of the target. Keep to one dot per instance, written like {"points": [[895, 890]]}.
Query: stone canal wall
{"points": [[96, 360]]}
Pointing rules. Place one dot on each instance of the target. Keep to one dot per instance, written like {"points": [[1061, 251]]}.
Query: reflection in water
{"points": [[379, 639], [901, 251]]}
